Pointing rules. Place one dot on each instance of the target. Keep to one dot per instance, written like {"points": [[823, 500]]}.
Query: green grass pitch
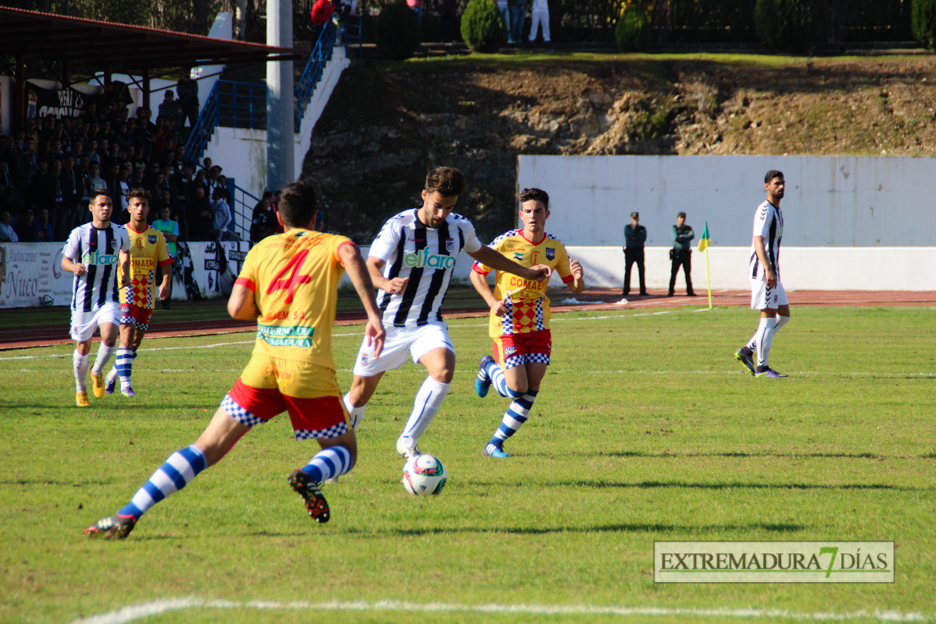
{"points": [[646, 429]]}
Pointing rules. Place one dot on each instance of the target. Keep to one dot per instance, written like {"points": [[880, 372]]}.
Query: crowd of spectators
{"points": [[49, 167]]}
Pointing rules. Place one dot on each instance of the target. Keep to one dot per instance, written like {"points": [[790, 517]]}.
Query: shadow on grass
{"points": [[648, 485], [604, 528], [743, 454]]}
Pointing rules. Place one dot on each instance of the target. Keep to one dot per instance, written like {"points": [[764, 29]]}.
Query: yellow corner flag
{"points": [[704, 241], [703, 246]]}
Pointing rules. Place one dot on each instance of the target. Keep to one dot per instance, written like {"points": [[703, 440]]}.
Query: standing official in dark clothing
{"points": [[680, 253], [635, 235]]}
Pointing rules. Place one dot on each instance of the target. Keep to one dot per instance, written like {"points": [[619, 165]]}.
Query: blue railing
{"points": [[243, 105], [243, 203], [354, 34], [204, 126], [321, 55]]}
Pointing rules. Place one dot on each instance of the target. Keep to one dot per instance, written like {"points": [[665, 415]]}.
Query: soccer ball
{"points": [[423, 475]]}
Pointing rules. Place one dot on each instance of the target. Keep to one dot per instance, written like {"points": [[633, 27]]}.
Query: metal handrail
{"points": [[242, 211], [251, 98], [321, 55]]}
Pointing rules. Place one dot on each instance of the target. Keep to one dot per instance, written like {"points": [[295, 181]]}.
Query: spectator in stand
{"points": [[222, 214], [188, 101], [170, 109], [182, 185], [200, 216], [504, 9], [120, 199], [53, 198], [24, 228], [9, 196], [417, 6], [42, 227], [322, 11], [94, 177], [7, 233], [445, 10], [138, 177], [212, 180], [70, 188], [83, 191], [263, 220], [170, 231], [540, 15]]}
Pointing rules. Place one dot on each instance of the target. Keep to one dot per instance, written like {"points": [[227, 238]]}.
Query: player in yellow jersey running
{"points": [[289, 285], [147, 251], [520, 314]]}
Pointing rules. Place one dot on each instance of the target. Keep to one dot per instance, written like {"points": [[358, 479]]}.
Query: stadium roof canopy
{"points": [[119, 47]]}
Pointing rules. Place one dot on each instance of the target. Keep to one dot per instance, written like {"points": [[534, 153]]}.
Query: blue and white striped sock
{"points": [[514, 417], [124, 365], [80, 367], [496, 375], [181, 467], [328, 464]]}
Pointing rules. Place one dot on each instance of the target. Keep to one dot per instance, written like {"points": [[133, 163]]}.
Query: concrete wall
{"points": [[840, 201], [862, 223]]}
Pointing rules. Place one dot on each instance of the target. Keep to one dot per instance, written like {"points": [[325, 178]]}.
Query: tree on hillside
{"points": [[924, 22]]}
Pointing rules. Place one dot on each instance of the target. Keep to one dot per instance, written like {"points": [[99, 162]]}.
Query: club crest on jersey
{"points": [[550, 253], [449, 245], [152, 239]]}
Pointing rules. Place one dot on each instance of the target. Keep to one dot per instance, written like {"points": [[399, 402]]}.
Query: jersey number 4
{"points": [[295, 278]]}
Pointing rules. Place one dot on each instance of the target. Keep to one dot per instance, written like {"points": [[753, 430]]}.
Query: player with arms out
{"points": [[147, 251], [411, 261], [289, 285], [520, 315], [94, 252], [767, 292]]}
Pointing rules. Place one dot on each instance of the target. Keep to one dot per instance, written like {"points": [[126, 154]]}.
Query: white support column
{"points": [[280, 98]]}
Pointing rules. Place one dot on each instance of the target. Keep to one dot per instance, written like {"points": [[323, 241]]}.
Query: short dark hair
{"points": [[95, 193], [535, 194], [298, 204], [770, 175], [138, 192], [446, 181]]}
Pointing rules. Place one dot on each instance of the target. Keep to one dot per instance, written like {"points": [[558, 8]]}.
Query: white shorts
{"points": [[418, 341], [84, 324], [763, 297]]}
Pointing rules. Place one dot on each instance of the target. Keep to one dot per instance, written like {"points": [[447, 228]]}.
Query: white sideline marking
{"points": [[138, 612], [211, 346]]}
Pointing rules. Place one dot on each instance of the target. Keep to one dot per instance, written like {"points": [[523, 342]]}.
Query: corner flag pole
{"points": [[703, 248]]}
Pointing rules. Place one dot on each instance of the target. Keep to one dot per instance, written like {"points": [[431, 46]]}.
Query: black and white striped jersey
{"points": [[99, 250], [768, 223], [427, 257]]}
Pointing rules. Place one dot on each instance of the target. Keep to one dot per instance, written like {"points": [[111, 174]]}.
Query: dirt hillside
{"points": [[388, 123]]}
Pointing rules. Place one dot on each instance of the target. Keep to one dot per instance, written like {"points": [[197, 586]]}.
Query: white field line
{"points": [[142, 611]]}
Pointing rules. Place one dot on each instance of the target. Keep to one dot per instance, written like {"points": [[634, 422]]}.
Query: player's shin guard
{"points": [[328, 464], [355, 414], [124, 365], [515, 416], [428, 401], [764, 337], [181, 467], [80, 367], [103, 357]]}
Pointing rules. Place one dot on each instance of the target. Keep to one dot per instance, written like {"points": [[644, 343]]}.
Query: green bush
{"points": [[632, 32], [794, 25], [483, 27], [398, 35], [924, 22]]}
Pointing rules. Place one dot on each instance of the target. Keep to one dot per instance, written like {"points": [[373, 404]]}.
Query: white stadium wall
{"points": [[862, 223]]}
